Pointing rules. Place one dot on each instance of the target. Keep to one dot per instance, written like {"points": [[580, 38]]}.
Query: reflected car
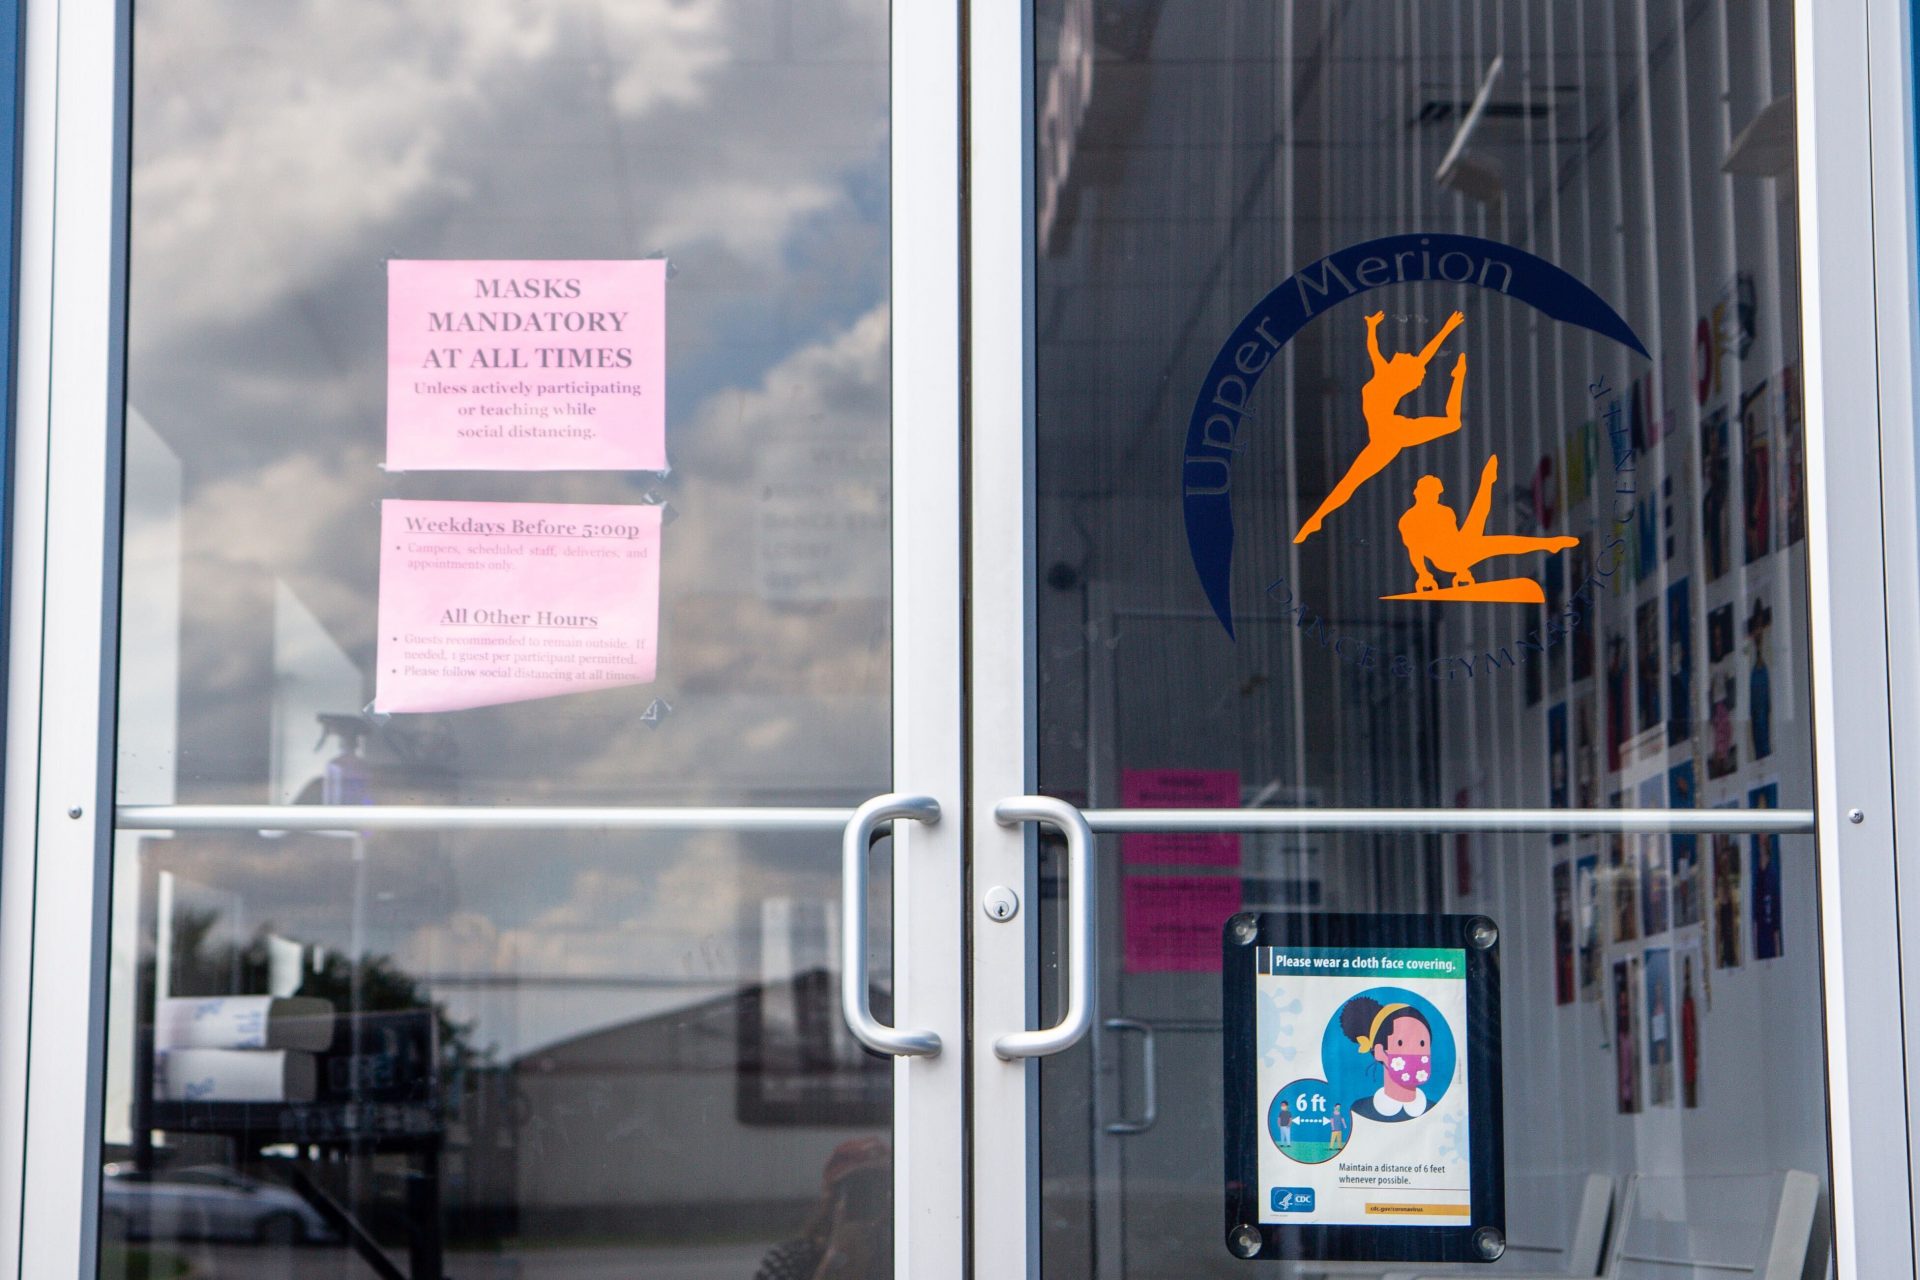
{"points": [[204, 1202]]}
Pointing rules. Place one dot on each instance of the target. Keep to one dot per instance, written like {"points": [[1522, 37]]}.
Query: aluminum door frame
{"points": [[1894, 50], [1857, 294], [58, 815]]}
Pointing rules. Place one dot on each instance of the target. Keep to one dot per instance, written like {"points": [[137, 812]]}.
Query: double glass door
{"points": [[668, 640]]}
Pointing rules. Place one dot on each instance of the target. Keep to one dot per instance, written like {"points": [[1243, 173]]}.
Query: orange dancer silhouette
{"points": [[1433, 533], [1387, 431]]}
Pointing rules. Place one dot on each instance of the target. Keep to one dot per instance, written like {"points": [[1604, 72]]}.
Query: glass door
{"points": [[498, 812], [1409, 784]]}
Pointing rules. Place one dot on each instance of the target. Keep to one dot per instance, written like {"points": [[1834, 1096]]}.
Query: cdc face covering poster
{"points": [[1357, 1047]]}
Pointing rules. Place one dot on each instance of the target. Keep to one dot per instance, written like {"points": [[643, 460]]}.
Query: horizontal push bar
{"points": [[1452, 821], [409, 817], [269, 817]]}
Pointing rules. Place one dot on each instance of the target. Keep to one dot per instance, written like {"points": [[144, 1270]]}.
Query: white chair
{"points": [[1556, 1224], [1705, 1227]]}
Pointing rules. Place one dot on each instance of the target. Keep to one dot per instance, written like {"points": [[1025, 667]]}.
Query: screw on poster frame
{"points": [[1362, 1087]]}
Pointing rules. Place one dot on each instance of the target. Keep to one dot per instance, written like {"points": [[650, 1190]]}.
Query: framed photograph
{"points": [[1563, 933], [1646, 535], [1769, 938], [1723, 695], [1760, 677], [1655, 874], [1693, 975], [1729, 898], [1586, 924], [1354, 1043], [1582, 637], [1646, 628], [1793, 456], [1658, 981], [1679, 664], [1557, 763], [1555, 586], [1756, 471], [1623, 874], [1619, 677], [1675, 511], [1687, 883], [1643, 425], [1586, 765], [1716, 496], [1626, 1038]]}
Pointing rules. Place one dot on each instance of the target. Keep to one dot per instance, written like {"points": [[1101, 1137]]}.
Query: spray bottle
{"points": [[348, 779]]}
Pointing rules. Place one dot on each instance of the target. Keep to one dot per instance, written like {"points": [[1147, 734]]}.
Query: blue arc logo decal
{"points": [[1220, 409]]}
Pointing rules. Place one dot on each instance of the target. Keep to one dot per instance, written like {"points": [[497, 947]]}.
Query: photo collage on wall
{"points": [[1671, 689]]}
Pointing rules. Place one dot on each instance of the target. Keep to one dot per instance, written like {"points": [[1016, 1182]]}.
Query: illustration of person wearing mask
{"points": [[1399, 1039]]}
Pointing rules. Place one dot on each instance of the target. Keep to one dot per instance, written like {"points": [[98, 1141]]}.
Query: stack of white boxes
{"points": [[240, 1048]]}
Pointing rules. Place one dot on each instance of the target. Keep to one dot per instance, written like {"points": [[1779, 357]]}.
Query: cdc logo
{"points": [[1291, 1199]]}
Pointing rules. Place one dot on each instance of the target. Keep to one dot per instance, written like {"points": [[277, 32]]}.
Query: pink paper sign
{"points": [[489, 602], [1173, 923], [1180, 789], [526, 366]]}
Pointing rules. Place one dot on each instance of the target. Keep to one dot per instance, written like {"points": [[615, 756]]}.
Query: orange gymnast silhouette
{"points": [[1434, 534], [1387, 431]]}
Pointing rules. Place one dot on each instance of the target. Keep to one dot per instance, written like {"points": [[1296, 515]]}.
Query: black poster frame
{"points": [[1483, 1238]]}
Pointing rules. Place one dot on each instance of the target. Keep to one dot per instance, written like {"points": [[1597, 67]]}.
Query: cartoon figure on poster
{"points": [[1404, 1043], [1388, 1057]]}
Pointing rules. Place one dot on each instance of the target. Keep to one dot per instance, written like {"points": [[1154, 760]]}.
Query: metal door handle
{"points": [[854, 1004], [1080, 958], [1149, 1073]]}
